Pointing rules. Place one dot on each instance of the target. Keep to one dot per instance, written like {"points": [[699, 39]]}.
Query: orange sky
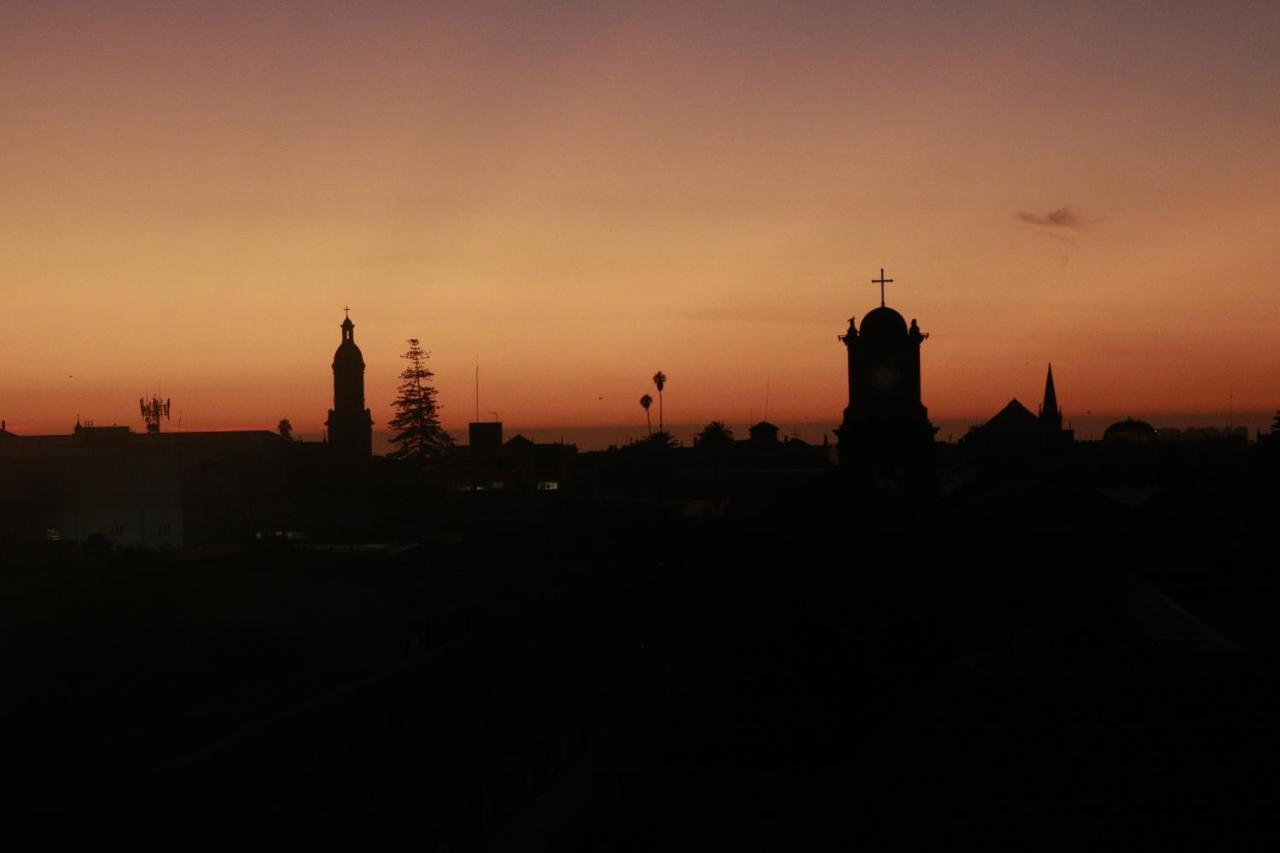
{"points": [[190, 192]]}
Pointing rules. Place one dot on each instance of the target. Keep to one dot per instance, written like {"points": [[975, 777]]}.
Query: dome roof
{"points": [[348, 354], [885, 322], [1129, 430]]}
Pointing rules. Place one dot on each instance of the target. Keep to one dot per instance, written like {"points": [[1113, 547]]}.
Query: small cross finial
{"points": [[882, 281], [347, 308]]}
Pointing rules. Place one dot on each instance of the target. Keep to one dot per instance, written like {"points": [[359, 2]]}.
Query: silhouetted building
{"points": [[763, 433], [487, 434], [886, 435], [1015, 428], [350, 424], [1051, 415], [517, 465], [1206, 433], [1130, 430], [155, 490]]}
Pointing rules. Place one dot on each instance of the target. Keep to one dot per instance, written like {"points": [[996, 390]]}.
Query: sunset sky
{"points": [[582, 194]]}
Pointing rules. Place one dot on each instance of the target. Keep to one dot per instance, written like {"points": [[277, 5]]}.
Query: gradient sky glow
{"points": [[582, 194]]}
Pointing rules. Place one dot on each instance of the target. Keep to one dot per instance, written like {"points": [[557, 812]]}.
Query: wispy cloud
{"points": [[1060, 218], [1056, 225], [1063, 217]]}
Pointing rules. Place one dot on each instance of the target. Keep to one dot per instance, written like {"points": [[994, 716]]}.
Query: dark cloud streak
{"points": [[1061, 218]]}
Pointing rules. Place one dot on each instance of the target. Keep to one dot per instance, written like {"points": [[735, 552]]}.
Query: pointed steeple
{"points": [[1050, 414]]}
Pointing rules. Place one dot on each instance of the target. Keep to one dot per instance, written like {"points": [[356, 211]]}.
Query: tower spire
{"points": [[1050, 414]]}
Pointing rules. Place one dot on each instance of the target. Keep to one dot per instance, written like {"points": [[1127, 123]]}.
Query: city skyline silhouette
{"points": [[580, 428], [598, 436]]}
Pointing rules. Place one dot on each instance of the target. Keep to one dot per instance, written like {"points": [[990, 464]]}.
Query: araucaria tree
{"points": [[418, 435]]}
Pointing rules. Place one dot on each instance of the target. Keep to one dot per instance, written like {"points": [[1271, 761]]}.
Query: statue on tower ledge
{"points": [[886, 438]]}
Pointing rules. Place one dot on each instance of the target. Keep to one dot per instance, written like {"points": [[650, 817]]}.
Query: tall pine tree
{"points": [[418, 435]]}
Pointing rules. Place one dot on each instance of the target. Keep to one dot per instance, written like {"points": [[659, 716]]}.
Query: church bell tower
{"points": [[350, 424], [885, 437]]}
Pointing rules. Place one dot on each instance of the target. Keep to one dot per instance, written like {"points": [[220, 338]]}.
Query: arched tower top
{"points": [[884, 323], [348, 355]]}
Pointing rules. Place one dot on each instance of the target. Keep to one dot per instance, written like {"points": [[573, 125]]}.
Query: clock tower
{"points": [[886, 436]]}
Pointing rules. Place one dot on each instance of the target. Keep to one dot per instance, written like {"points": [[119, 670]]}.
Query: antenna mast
{"points": [[153, 411]]}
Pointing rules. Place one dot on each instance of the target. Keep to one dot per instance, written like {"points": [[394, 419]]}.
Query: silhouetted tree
{"points": [[660, 380], [716, 434], [662, 438], [418, 434], [1275, 424], [646, 401], [285, 429]]}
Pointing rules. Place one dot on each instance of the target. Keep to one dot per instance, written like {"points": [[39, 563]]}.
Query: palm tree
{"points": [[660, 379], [716, 434], [663, 439], [646, 401]]}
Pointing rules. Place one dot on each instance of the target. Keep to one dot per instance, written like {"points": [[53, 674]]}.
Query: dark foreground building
{"points": [[487, 463], [154, 490], [184, 490]]}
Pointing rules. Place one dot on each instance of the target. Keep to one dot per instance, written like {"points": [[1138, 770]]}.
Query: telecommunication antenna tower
{"points": [[152, 411]]}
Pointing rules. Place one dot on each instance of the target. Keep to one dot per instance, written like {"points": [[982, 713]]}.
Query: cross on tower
{"points": [[882, 281], [347, 308]]}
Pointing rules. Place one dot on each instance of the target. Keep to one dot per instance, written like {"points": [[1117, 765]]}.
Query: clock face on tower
{"points": [[884, 376]]}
